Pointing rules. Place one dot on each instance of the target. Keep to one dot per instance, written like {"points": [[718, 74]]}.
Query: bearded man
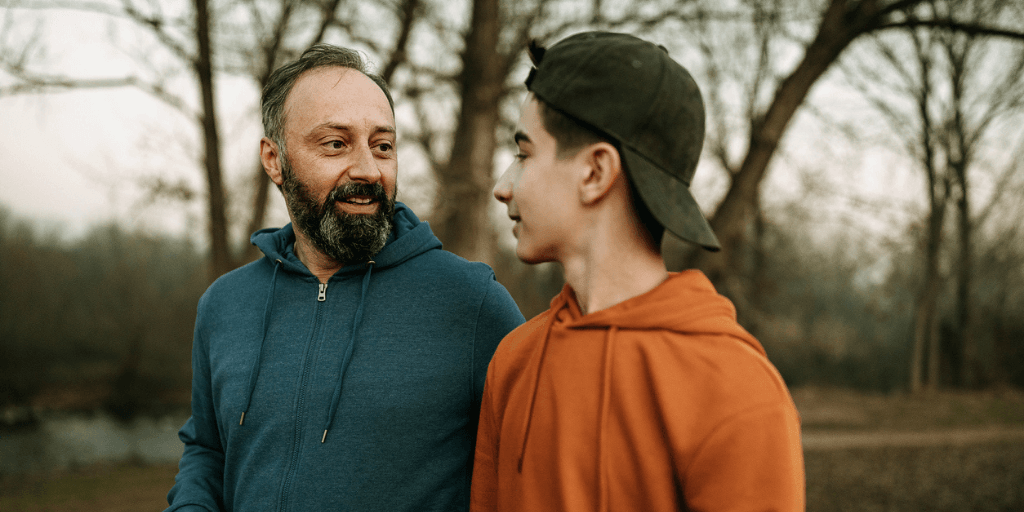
{"points": [[343, 370]]}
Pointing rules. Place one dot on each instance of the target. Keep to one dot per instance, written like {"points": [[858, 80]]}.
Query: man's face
{"points": [[339, 176], [539, 191]]}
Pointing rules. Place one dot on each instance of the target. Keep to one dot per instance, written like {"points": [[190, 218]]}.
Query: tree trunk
{"points": [[461, 216], [924, 366], [962, 156], [220, 253], [968, 350], [734, 215]]}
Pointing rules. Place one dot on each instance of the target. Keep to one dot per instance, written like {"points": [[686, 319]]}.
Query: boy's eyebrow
{"points": [[521, 137]]}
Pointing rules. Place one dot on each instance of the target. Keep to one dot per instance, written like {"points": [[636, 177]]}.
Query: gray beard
{"points": [[344, 237]]}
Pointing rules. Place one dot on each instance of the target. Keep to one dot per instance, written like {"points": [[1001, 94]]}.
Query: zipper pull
{"points": [[322, 296]]}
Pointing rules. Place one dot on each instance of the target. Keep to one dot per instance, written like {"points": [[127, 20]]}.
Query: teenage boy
{"points": [[637, 390]]}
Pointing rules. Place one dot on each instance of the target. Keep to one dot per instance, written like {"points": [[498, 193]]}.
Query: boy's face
{"points": [[539, 190]]}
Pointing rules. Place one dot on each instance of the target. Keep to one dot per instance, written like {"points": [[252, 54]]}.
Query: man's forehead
{"points": [[333, 91]]}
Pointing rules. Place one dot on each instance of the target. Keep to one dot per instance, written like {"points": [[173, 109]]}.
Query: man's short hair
{"points": [[571, 136], [283, 79]]}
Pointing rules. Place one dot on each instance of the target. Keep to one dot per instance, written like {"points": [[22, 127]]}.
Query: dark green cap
{"points": [[632, 91]]}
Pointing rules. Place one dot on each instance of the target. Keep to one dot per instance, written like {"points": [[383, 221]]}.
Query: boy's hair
{"points": [[571, 136]]}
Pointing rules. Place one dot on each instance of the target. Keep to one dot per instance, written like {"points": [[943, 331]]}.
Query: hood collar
{"points": [[410, 237], [686, 303]]}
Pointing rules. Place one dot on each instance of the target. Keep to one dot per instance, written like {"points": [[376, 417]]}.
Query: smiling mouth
{"points": [[358, 200]]}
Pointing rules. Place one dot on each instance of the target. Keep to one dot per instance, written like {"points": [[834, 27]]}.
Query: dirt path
{"points": [[816, 440]]}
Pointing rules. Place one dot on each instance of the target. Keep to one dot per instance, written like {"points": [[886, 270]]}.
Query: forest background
{"points": [[862, 167]]}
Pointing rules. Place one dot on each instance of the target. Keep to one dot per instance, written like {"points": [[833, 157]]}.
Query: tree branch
{"points": [[955, 26]]}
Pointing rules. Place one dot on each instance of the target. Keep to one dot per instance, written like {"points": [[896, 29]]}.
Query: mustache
{"points": [[372, 190]]}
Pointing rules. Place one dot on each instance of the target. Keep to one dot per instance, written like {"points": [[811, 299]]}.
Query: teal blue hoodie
{"points": [[359, 395]]}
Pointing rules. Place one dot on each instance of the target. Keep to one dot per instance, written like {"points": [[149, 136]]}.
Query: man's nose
{"points": [[365, 168]]}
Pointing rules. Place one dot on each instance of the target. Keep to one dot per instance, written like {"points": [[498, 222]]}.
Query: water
{"points": [[65, 440]]}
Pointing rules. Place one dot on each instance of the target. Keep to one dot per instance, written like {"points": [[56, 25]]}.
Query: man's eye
{"points": [[386, 147], [335, 144]]}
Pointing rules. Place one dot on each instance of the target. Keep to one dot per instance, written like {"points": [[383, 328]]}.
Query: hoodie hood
{"points": [[686, 303], [409, 238]]}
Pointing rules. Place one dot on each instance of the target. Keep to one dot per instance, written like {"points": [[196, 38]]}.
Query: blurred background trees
{"points": [[827, 119]]}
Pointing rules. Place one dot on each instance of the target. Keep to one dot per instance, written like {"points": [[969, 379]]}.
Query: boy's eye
{"points": [[520, 156]]}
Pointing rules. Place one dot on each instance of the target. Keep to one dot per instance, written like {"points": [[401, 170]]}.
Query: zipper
{"points": [[299, 426]]}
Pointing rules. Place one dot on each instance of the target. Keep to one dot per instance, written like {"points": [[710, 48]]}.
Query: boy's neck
{"points": [[609, 271]]}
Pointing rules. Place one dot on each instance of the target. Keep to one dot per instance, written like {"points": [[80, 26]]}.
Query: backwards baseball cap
{"points": [[632, 91]]}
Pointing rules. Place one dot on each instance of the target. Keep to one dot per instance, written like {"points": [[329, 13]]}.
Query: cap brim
{"points": [[670, 201]]}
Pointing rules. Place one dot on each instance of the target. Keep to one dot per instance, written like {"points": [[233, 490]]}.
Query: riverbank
{"points": [[58, 441]]}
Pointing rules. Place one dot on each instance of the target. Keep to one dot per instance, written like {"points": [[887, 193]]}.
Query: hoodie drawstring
{"points": [[603, 413], [358, 319], [536, 384], [602, 427], [255, 373]]}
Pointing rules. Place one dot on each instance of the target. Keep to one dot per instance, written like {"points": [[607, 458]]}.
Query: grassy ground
{"points": [[978, 478], [121, 487], [987, 476]]}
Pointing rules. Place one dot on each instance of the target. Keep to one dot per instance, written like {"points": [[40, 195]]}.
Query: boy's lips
{"points": [[515, 227]]}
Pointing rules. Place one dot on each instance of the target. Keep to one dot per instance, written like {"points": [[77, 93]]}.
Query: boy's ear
{"points": [[270, 157], [603, 167]]}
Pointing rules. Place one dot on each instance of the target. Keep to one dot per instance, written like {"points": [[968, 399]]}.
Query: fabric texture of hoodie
{"points": [[659, 403], [361, 395]]}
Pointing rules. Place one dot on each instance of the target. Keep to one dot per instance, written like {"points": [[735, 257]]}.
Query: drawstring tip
{"points": [[324, 437], [242, 420]]}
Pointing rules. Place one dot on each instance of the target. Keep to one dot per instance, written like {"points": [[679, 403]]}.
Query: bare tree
{"points": [[840, 23], [190, 43], [958, 94]]}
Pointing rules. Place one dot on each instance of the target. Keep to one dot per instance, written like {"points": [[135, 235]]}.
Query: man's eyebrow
{"points": [[346, 128], [521, 137]]}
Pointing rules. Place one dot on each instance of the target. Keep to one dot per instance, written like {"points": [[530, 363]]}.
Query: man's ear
{"points": [[270, 157], [603, 167]]}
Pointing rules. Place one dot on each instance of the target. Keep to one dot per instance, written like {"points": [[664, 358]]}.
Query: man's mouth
{"points": [[359, 200]]}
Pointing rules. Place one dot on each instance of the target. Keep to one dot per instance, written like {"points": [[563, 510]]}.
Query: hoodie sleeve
{"points": [[498, 315], [200, 480], [484, 490], [752, 461]]}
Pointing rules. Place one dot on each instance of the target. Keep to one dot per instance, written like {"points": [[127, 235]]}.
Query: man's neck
{"points": [[318, 263], [609, 271]]}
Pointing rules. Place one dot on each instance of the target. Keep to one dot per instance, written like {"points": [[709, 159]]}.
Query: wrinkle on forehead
{"points": [[315, 98]]}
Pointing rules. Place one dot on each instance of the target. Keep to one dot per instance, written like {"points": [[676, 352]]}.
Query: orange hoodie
{"points": [[661, 402]]}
